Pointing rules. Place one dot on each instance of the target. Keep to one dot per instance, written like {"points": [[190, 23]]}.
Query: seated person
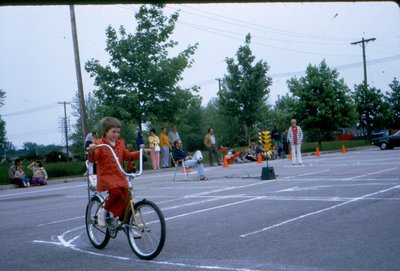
{"points": [[239, 157], [179, 153], [257, 149], [39, 173], [17, 174], [230, 157], [249, 155]]}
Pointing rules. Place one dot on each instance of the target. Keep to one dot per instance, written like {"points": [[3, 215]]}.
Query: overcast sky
{"points": [[37, 69]]}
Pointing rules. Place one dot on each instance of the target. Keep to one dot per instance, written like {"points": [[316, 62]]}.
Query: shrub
{"points": [[56, 156]]}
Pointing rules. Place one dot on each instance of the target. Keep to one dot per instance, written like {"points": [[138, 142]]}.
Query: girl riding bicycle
{"points": [[109, 177]]}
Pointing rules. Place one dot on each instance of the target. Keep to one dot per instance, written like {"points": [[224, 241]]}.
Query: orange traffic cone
{"points": [[225, 162], [317, 152], [259, 159], [343, 149], [291, 155], [186, 170]]}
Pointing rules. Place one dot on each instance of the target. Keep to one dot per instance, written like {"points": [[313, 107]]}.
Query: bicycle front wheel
{"points": [[146, 230], [98, 236]]}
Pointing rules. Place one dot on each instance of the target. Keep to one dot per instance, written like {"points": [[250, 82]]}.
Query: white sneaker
{"points": [[101, 217], [136, 234]]}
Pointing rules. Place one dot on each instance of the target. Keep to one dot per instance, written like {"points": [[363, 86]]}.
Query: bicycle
{"points": [[143, 222]]}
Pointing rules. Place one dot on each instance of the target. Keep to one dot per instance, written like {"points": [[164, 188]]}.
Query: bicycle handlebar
{"points": [[133, 175]]}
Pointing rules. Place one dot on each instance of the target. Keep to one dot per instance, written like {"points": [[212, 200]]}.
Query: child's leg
{"points": [[40, 180], [116, 201], [35, 180]]}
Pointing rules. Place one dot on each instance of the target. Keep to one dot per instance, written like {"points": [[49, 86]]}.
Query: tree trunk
{"points": [[246, 133]]}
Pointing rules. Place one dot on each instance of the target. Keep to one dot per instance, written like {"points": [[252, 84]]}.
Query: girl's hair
{"points": [[39, 164], [107, 123], [153, 130]]}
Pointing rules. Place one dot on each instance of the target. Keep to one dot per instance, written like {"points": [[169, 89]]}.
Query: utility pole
{"points": [[66, 127], [363, 41], [78, 73], [219, 83]]}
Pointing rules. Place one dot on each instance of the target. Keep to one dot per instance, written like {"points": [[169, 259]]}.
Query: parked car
{"points": [[387, 142]]}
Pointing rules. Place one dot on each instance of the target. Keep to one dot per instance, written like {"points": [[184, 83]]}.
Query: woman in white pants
{"points": [[295, 136]]}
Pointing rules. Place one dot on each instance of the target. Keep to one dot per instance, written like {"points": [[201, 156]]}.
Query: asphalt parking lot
{"points": [[336, 212]]}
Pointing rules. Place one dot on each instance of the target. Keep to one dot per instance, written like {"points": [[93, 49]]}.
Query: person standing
{"points": [[173, 135], [140, 140], [154, 144], [285, 141], [295, 135], [276, 137], [165, 146], [211, 144]]}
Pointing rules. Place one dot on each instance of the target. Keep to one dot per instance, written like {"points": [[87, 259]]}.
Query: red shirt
{"points": [[294, 129], [108, 173]]}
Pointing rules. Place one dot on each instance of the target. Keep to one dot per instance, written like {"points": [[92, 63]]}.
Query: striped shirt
{"points": [[295, 135]]}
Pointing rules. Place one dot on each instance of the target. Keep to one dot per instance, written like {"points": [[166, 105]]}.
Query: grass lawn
{"points": [[333, 145]]}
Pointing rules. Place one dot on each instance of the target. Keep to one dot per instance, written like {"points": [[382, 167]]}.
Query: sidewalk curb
{"points": [[50, 182]]}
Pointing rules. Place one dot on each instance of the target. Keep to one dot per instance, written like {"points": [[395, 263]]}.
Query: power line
{"points": [[294, 73], [32, 110], [207, 29], [263, 28]]}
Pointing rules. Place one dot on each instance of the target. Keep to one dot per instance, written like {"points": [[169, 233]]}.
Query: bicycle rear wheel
{"points": [[98, 236], [146, 236]]}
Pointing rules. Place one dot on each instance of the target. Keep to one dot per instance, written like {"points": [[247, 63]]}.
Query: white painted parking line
{"points": [[211, 208], [306, 174], [68, 243], [41, 190], [369, 174], [61, 221], [319, 211], [316, 187], [206, 267]]}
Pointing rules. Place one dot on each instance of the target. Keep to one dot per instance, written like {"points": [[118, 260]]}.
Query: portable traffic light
{"points": [[265, 139]]}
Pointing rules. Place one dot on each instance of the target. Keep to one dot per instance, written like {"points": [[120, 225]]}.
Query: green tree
{"points": [[324, 102], [372, 109], [394, 102], [245, 90], [191, 127], [140, 82], [284, 110], [93, 116], [227, 131]]}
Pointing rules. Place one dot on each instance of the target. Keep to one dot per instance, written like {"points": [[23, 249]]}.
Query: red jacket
{"points": [[108, 173]]}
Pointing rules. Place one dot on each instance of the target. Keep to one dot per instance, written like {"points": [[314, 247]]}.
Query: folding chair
{"points": [[179, 163]]}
